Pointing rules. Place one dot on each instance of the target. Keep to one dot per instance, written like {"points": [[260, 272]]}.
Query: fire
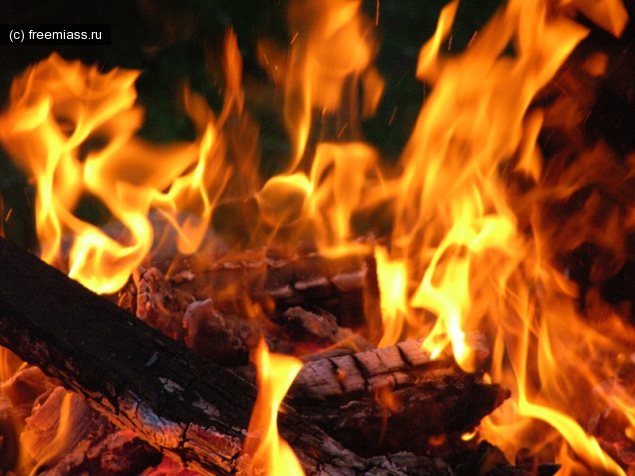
{"points": [[267, 452], [72, 130], [330, 56], [471, 247], [469, 262], [332, 46], [392, 277]]}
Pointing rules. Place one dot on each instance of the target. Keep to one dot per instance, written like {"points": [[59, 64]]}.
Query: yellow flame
{"points": [[269, 453], [471, 265], [392, 279], [467, 252], [320, 205], [56, 108], [332, 46]]}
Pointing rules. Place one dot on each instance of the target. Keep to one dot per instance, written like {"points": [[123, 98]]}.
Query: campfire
{"points": [[444, 314]]}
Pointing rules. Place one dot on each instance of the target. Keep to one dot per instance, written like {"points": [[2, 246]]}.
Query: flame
{"points": [[472, 247], [332, 47], [468, 260], [320, 205], [608, 14], [330, 59], [72, 130], [269, 453], [392, 277]]}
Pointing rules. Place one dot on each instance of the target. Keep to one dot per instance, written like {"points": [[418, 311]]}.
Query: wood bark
{"points": [[428, 417], [344, 285], [377, 401], [191, 409]]}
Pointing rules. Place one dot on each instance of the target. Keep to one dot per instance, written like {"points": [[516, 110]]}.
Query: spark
{"points": [[392, 116], [564, 91], [342, 130], [377, 13], [6, 219], [294, 37]]}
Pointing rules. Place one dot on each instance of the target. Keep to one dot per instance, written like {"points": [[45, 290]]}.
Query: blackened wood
{"points": [[354, 375], [415, 418], [345, 285], [189, 408], [393, 399]]}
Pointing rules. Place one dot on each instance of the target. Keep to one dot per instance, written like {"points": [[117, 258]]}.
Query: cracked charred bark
{"points": [[189, 408]]}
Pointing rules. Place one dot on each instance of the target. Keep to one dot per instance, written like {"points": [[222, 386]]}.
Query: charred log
{"points": [[375, 401], [228, 335], [280, 278], [426, 418], [193, 410]]}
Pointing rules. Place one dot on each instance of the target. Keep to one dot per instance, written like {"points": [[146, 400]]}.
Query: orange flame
{"points": [[330, 55], [467, 260], [467, 252], [332, 45], [269, 453], [58, 111]]}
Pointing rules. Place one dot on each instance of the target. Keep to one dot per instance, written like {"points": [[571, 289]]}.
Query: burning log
{"points": [[347, 376], [376, 393], [345, 286], [437, 410], [374, 401], [193, 410], [337, 390], [228, 335]]}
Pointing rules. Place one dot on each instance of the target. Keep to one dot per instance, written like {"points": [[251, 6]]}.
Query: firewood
{"points": [[226, 339], [158, 303], [397, 398], [280, 278], [120, 452], [25, 386], [61, 433], [59, 437], [416, 418], [229, 336], [189, 408], [352, 375], [320, 329], [488, 460]]}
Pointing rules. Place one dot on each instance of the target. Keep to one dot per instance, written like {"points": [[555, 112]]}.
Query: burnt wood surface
{"points": [[191, 409], [397, 398], [428, 417], [285, 276]]}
